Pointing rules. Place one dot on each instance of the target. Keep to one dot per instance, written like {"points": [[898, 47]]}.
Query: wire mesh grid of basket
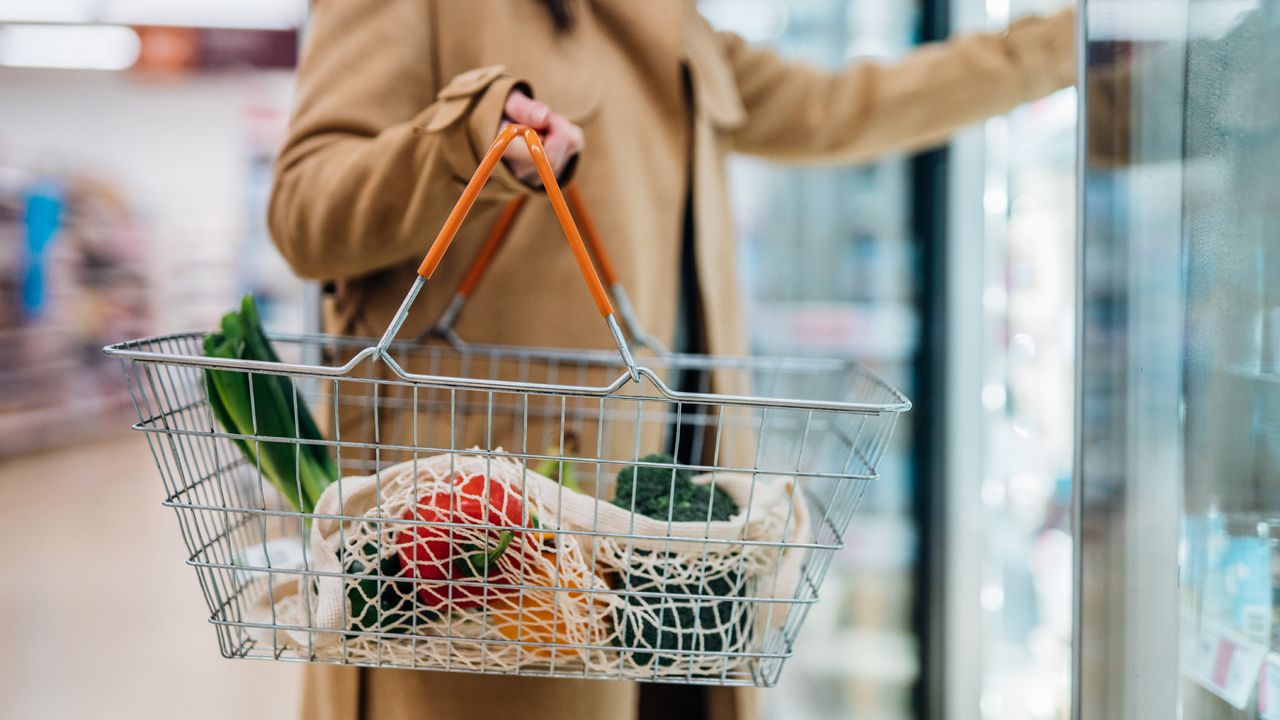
{"points": [[496, 511]]}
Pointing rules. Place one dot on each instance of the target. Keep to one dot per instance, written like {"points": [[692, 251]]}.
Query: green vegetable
{"points": [[561, 472], [659, 493], [266, 405], [393, 611], [697, 625]]}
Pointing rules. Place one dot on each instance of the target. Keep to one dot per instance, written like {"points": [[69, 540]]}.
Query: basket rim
{"points": [[138, 350]]}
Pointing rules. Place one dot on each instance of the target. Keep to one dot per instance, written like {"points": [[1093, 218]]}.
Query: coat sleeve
{"points": [[379, 147], [797, 113]]}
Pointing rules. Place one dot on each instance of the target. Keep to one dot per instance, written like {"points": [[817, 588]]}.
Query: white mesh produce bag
{"points": [[579, 583]]}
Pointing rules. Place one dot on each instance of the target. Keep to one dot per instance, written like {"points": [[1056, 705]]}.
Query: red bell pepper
{"points": [[442, 553]]}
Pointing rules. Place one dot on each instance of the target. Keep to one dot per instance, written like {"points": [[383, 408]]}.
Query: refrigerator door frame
{"points": [[1127, 499]]}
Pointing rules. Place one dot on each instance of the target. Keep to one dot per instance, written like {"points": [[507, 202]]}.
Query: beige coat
{"points": [[397, 100]]}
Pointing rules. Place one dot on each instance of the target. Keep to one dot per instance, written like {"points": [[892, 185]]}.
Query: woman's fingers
{"points": [[521, 108], [562, 141], [560, 138]]}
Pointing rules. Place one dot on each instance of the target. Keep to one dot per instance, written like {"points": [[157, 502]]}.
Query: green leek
{"points": [[265, 405]]}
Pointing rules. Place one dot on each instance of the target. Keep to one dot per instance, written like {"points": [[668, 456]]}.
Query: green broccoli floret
{"points": [[657, 492], [694, 626]]}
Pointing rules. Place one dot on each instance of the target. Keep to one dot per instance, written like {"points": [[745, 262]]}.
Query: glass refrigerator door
{"points": [[1179, 411], [1011, 314]]}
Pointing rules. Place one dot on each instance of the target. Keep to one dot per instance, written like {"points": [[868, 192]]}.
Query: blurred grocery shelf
{"points": [[143, 215]]}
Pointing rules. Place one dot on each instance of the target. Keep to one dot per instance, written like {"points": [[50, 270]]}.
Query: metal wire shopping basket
{"points": [[510, 510]]}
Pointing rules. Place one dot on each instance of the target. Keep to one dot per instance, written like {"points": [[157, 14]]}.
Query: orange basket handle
{"points": [[497, 236], [593, 238], [628, 315], [459, 213]]}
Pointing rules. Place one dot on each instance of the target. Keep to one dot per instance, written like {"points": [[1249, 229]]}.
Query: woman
{"points": [[639, 104]]}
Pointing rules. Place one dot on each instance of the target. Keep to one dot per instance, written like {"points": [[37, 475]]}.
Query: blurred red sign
{"points": [[169, 50]]}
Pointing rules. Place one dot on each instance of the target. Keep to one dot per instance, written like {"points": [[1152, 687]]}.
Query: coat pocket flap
{"points": [[471, 82]]}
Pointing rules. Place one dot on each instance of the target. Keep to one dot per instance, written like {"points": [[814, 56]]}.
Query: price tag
{"points": [[1224, 663], [1269, 689]]}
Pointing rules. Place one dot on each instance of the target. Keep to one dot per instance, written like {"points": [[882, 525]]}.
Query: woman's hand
{"points": [[561, 138]]}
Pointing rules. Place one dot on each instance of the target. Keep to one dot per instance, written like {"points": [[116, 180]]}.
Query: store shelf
{"points": [[1230, 666], [1115, 20], [1254, 375], [884, 331]]}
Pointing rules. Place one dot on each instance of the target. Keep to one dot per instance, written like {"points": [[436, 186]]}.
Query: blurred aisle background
{"points": [[131, 202], [89, 560], [136, 143]]}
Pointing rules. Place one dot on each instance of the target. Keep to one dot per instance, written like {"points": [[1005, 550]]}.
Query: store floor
{"points": [[99, 617]]}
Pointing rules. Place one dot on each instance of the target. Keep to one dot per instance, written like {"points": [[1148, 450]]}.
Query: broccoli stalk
{"points": [[700, 625]]}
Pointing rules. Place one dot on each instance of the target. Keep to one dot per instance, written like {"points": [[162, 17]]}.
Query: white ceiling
{"points": [[267, 14]]}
